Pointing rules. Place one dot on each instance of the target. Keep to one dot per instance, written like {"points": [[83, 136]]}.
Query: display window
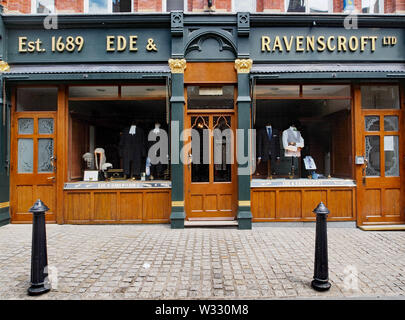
{"points": [[303, 131], [118, 133]]}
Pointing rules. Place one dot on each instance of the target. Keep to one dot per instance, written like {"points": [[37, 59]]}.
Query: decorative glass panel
{"points": [[391, 152], [200, 153], [45, 153], [25, 126], [93, 91], [45, 126], [373, 156], [380, 97], [391, 123], [263, 91], [210, 97], [223, 140], [372, 123], [37, 99], [25, 155], [326, 91]]}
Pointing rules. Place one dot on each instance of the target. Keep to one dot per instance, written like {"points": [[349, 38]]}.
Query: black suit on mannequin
{"points": [[268, 147], [132, 148]]}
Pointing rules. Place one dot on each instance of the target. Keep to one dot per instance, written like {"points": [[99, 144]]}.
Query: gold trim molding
{"points": [[177, 65], [177, 203], [4, 67], [243, 65], [4, 205], [244, 203]]}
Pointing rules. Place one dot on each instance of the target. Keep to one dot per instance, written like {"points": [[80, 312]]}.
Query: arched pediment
{"points": [[210, 45]]}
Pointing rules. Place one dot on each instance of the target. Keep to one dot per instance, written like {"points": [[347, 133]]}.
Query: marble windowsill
{"points": [[285, 183]]}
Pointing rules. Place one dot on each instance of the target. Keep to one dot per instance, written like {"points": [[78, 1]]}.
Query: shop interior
{"points": [[303, 132], [108, 133]]}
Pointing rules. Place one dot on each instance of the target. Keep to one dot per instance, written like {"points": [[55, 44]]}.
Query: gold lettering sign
{"points": [[330, 43]]}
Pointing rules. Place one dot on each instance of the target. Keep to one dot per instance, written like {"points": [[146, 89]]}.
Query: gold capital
{"points": [[243, 65], [177, 65], [4, 67]]}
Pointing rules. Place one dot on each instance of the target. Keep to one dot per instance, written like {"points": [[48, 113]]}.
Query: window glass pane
{"points": [[93, 91], [391, 152], [295, 6], [45, 6], [25, 155], [325, 91], [373, 156], [263, 91], [370, 6], [37, 99], [244, 6], [174, 5], [45, 153], [391, 123], [223, 139], [372, 123], [210, 97], [380, 97], [200, 168], [45, 126], [122, 5], [25, 126], [144, 91], [319, 6], [98, 6]]}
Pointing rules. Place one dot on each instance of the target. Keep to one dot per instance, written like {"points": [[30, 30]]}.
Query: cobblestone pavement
{"points": [[155, 262]]}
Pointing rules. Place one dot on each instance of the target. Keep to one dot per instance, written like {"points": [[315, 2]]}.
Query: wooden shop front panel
{"points": [[117, 206], [297, 204]]}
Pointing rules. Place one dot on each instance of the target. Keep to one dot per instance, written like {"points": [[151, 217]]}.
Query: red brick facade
{"points": [[77, 6]]}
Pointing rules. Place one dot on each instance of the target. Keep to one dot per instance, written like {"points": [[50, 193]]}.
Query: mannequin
{"points": [[268, 146], [156, 169], [132, 149], [292, 143]]}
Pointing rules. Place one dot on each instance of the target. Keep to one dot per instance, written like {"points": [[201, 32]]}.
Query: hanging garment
{"points": [[99, 155], [268, 143], [159, 157], [132, 149], [292, 142]]}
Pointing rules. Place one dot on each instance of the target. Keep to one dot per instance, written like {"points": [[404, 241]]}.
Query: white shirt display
{"points": [[292, 142]]}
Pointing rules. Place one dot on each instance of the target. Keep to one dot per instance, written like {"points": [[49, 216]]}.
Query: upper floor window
{"points": [[309, 6], [107, 6], [372, 6], [172, 5], [42, 6], [243, 5]]}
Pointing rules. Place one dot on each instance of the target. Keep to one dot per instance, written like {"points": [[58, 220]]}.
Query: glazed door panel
{"points": [[33, 164], [380, 141], [211, 172]]}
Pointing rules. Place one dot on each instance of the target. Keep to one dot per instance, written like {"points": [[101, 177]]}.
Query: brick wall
{"points": [[70, 6]]}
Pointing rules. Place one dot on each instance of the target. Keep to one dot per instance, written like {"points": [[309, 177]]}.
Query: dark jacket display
{"points": [[132, 148], [268, 147], [157, 169]]}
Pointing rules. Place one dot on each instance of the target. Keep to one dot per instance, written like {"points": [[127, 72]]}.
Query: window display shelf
{"points": [[277, 183], [82, 185]]}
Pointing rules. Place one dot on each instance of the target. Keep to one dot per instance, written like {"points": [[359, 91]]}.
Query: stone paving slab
{"points": [[155, 262]]}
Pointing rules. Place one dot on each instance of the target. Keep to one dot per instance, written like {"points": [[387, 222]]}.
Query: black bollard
{"points": [[321, 279], [39, 256]]}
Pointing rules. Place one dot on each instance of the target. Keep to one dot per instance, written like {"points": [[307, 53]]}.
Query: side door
{"points": [[379, 127]]}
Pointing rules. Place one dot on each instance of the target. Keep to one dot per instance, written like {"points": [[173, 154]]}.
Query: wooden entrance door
{"points": [[211, 180], [379, 135], [33, 171]]}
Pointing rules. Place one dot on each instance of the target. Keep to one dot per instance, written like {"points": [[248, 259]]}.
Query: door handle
{"points": [[50, 178]]}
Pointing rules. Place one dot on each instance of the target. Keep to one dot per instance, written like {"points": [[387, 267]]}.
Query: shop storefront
{"points": [[257, 118]]}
